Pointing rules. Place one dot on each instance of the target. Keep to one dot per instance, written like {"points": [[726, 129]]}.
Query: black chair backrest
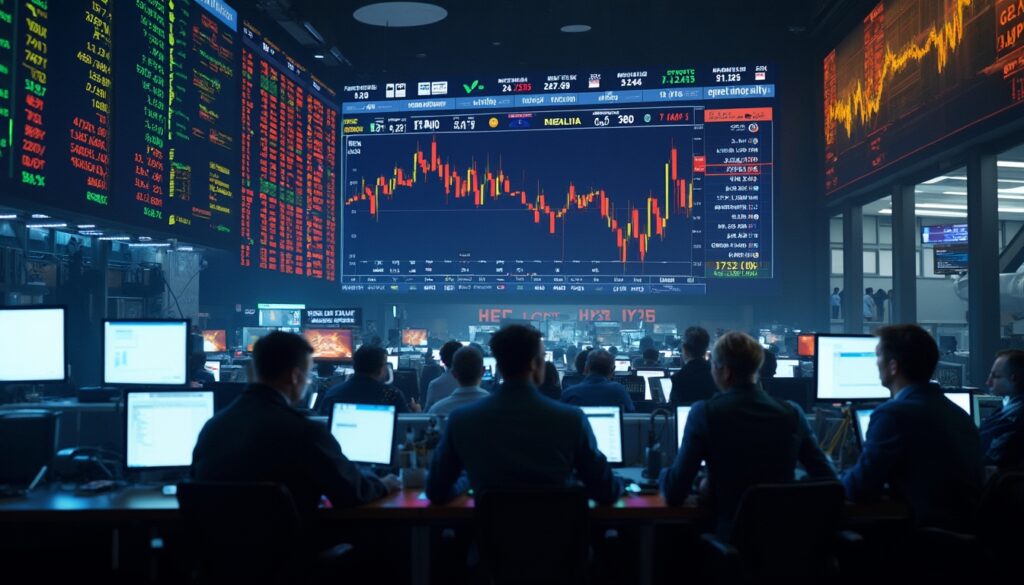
{"points": [[798, 390], [28, 440], [1001, 513], [224, 393], [405, 380], [240, 531], [533, 535], [788, 531]]}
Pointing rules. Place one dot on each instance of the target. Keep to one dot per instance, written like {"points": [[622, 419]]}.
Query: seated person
{"points": [[552, 386], [198, 374], [693, 381], [599, 388], [516, 437], [745, 436], [366, 385], [260, 437], [651, 358], [1002, 433], [925, 447], [468, 369], [443, 385]]}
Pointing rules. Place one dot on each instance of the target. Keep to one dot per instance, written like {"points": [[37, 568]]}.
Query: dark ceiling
{"points": [[524, 35]]}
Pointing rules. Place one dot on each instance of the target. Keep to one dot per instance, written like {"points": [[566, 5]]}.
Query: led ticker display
{"points": [[289, 172], [178, 117], [915, 74], [641, 181]]}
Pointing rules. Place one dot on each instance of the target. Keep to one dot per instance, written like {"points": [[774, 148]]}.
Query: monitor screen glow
{"points": [[214, 368], [32, 350], [414, 337], [364, 431], [621, 366], [215, 340], [787, 368], [162, 427], [846, 368], [606, 421], [145, 353], [330, 344], [863, 420], [682, 415], [961, 399]]}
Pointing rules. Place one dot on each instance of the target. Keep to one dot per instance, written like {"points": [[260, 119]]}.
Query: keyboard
{"points": [[10, 491]]}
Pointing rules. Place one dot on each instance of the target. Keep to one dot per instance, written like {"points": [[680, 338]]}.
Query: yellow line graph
{"points": [[942, 38]]}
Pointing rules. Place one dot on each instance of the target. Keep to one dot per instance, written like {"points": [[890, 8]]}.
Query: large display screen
{"points": [[33, 347], [148, 353], [162, 428], [846, 368], [289, 148], [617, 182], [914, 74]]}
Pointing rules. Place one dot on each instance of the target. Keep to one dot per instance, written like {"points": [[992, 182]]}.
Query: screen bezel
{"points": [[103, 353], [817, 371], [622, 436], [394, 431], [64, 312], [160, 390]]}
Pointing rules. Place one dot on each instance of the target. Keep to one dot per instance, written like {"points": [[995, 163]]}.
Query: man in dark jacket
{"points": [[366, 386], [1002, 433], [598, 388], [693, 382], [261, 438]]}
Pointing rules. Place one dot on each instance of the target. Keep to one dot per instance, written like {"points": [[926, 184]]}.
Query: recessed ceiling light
{"points": [[421, 55], [1011, 164], [400, 14], [576, 28], [496, 43], [318, 55]]}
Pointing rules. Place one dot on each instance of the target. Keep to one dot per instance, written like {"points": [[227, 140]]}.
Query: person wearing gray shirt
{"points": [[467, 369]]}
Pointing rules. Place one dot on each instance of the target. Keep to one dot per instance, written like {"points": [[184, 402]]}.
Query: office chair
{"points": [[783, 533], [249, 533], [532, 536], [34, 434], [1001, 514]]}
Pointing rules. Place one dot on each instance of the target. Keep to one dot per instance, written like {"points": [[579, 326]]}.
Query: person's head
{"points": [[1007, 375], [646, 341], [283, 361], [448, 352], [869, 291], [906, 355], [196, 361], [735, 360], [651, 356], [519, 353], [600, 363], [695, 342], [325, 369], [468, 366], [551, 377], [580, 363], [372, 361], [835, 291], [613, 350]]}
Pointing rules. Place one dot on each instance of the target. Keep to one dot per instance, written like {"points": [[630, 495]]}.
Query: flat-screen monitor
{"points": [[664, 329], [161, 428], [366, 432], [213, 367], [393, 361], [250, 335], [549, 356], [954, 233], [436, 354], [148, 353], [950, 374], [215, 340], [963, 400], [606, 421], [950, 259], [414, 337], [805, 345], [288, 316], [330, 345], [787, 368], [846, 368], [33, 346], [622, 365], [648, 375], [682, 414], [491, 365], [664, 385], [862, 418]]}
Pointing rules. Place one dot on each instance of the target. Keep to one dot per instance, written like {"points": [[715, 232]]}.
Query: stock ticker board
{"points": [[617, 182], [913, 75]]}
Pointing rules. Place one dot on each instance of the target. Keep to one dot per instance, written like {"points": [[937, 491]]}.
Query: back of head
{"points": [[448, 352], [467, 366], [551, 377], [741, 354], [645, 342], [651, 355], [696, 341], [600, 363], [369, 359], [581, 360], [276, 355], [515, 347], [913, 350]]}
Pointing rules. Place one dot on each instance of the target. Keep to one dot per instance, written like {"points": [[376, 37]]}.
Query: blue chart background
{"points": [[415, 224]]}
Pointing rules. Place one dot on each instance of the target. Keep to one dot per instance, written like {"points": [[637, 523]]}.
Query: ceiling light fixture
{"points": [[40, 226], [114, 238], [40, 216], [9, 216], [400, 14], [1011, 164], [576, 28]]}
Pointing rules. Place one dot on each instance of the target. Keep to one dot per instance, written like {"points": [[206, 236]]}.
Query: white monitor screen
{"points": [[863, 419], [364, 431], [213, 368], [162, 427], [666, 388], [607, 424], [436, 353], [961, 399], [647, 375], [549, 356], [145, 352], [393, 360], [621, 366], [847, 370], [32, 345], [491, 365], [682, 414], [787, 368]]}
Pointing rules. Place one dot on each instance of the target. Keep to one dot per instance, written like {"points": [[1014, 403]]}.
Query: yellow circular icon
{"points": [[493, 122]]}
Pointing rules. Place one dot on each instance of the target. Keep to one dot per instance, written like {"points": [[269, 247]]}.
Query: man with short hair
{"points": [[693, 381], [652, 358], [260, 437], [468, 370], [366, 385], [925, 447], [599, 387], [1002, 433], [516, 437], [442, 386], [746, 436]]}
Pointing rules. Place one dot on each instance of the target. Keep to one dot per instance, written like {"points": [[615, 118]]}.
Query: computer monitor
{"points": [[805, 345], [846, 368], [861, 418], [283, 315], [491, 365], [963, 400], [393, 361], [984, 406], [250, 335], [664, 385], [622, 365], [215, 340], [213, 367], [647, 375], [33, 347], [634, 385], [549, 356], [787, 368], [682, 414], [366, 432], [414, 337], [330, 345], [161, 428], [606, 421], [145, 352]]}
